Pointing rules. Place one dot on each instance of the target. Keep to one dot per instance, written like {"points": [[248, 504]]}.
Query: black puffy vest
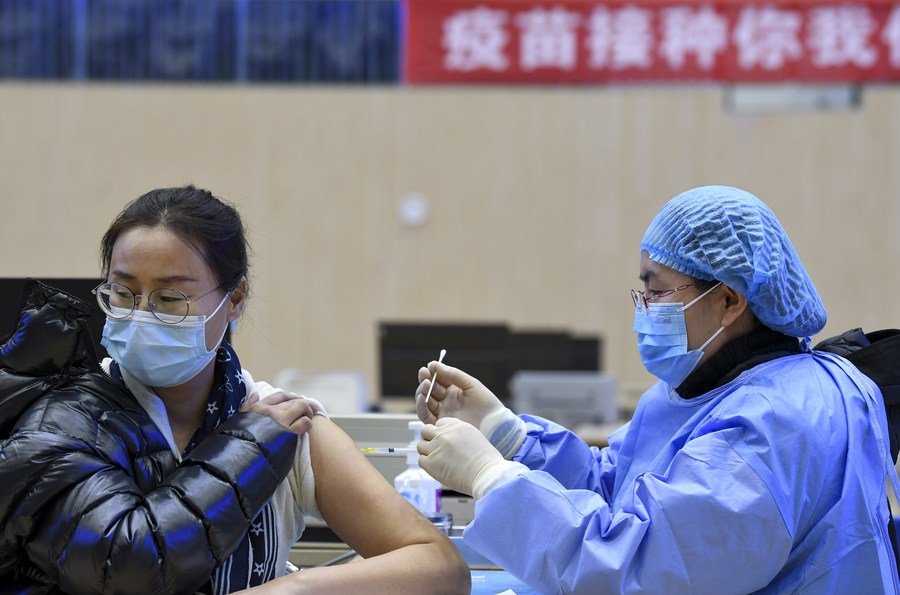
{"points": [[92, 500]]}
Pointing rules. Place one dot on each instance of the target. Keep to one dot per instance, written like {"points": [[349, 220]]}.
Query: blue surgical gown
{"points": [[774, 482]]}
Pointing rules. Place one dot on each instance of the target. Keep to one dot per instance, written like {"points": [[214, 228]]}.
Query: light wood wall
{"points": [[539, 198]]}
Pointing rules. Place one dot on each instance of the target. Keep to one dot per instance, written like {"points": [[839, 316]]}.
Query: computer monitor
{"points": [[587, 353], [482, 350], [12, 292], [553, 350], [489, 351]]}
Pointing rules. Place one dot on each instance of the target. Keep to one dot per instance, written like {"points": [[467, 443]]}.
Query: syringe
{"points": [[386, 450]]}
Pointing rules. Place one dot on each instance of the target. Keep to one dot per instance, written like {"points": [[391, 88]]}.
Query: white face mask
{"points": [[160, 354]]}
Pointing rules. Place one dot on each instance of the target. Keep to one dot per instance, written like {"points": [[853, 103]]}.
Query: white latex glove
{"points": [[461, 396], [459, 456]]}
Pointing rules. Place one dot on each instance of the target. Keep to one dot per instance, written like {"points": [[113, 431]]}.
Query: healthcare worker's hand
{"points": [[461, 396], [458, 455], [292, 411]]}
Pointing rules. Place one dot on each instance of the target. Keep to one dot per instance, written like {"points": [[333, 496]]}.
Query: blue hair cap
{"points": [[726, 234]]}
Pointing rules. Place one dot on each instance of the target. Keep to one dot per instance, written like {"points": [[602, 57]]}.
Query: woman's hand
{"points": [[294, 412]]}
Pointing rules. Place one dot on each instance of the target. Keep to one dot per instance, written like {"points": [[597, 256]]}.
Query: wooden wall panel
{"points": [[539, 199]]}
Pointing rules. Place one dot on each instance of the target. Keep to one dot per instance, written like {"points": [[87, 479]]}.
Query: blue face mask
{"points": [[156, 353], [663, 340]]}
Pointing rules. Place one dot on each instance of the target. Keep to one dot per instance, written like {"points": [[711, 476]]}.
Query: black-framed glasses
{"points": [[170, 306], [640, 298]]}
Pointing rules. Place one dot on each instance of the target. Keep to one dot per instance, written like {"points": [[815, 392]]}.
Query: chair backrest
{"points": [[877, 355], [340, 391]]}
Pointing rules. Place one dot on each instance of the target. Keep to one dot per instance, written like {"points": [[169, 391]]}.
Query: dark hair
{"points": [[209, 225]]}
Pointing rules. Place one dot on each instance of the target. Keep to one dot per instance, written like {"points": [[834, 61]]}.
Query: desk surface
{"points": [[492, 582]]}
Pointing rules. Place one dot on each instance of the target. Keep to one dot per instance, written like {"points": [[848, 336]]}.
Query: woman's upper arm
{"points": [[356, 501]]}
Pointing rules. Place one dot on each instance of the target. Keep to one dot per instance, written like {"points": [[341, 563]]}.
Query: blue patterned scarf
{"points": [[255, 560]]}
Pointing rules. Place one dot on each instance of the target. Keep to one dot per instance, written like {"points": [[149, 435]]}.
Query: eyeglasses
{"points": [[170, 306], [640, 299]]}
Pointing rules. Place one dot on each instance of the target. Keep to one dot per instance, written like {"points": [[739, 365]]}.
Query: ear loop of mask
{"points": [[219, 307], [209, 317], [694, 301], [699, 297], [710, 340]]}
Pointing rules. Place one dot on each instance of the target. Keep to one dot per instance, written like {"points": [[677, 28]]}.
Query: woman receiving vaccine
{"points": [[167, 468]]}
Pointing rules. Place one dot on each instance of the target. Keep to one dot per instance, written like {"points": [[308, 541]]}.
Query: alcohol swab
{"points": [[433, 378]]}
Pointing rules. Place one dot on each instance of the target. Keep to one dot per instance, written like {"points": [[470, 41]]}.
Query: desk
{"points": [[492, 582]]}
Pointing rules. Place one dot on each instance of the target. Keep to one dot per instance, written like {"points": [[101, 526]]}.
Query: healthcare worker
{"points": [[754, 464]]}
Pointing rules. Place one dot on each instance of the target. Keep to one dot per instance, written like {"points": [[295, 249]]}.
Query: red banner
{"points": [[576, 41]]}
